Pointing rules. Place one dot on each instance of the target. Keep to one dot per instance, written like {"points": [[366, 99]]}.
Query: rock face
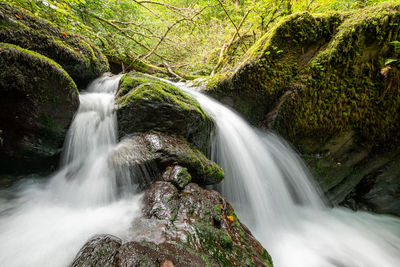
{"points": [[147, 103], [321, 82], [144, 158], [81, 59], [197, 228], [37, 102]]}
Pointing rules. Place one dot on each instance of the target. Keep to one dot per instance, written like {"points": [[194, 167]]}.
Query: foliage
{"points": [[191, 36]]}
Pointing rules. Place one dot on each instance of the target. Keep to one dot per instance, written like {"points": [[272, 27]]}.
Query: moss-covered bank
{"points": [[81, 59], [321, 81]]}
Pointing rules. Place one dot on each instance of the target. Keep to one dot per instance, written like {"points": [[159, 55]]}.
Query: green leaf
{"points": [[391, 60]]}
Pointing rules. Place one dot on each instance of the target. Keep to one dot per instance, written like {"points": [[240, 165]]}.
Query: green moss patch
{"points": [[81, 59]]}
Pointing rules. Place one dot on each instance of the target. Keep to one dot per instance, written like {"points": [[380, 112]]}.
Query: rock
{"points": [[81, 59], [37, 103], [199, 228], [147, 103], [145, 157], [100, 250], [321, 82], [378, 187], [177, 175]]}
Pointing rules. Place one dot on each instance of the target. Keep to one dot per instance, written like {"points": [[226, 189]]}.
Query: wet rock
{"points": [[108, 251], [378, 188], [81, 59], [147, 103], [177, 175], [145, 157], [198, 226], [202, 220], [37, 102], [100, 250]]}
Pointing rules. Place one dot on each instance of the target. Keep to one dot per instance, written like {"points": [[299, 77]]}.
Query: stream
{"points": [[44, 222]]}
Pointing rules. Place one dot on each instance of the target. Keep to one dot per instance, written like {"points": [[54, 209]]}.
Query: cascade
{"points": [[45, 223], [274, 194]]}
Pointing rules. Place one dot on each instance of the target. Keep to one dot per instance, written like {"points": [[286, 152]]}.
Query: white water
{"points": [[44, 224], [274, 195]]}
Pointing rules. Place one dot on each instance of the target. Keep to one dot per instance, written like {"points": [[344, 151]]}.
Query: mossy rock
{"points": [[192, 227], [145, 157], [147, 103], [37, 102], [201, 221], [319, 80], [81, 59]]}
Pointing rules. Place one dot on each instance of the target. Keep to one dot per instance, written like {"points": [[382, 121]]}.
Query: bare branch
{"points": [[122, 31], [168, 6], [168, 67], [227, 14], [225, 48], [170, 27]]}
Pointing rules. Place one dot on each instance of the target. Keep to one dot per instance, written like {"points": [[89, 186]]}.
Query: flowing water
{"points": [[44, 223], [274, 194]]}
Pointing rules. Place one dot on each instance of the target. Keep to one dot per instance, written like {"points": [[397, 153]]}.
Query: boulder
{"points": [[37, 103], [80, 58], [144, 158], [147, 103], [197, 228]]}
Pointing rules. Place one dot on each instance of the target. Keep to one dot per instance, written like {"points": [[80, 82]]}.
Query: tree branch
{"points": [[225, 48], [170, 27], [226, 12]]}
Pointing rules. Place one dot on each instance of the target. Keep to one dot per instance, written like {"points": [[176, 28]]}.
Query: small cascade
{"points": [[274, 194], [47, 221]]}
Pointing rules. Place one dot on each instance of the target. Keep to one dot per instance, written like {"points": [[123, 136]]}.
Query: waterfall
{"points": [[45, 223], [274, 194]]}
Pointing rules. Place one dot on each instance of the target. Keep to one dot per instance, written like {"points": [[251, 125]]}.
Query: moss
{"points": [[143, 86], [184, 177], [332, 63], [76, 55], [344, 89], [147, 103], [17, 55], [37, 100]]}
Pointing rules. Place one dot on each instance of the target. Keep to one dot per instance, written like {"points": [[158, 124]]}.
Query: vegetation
{"points": [[185, 38]]}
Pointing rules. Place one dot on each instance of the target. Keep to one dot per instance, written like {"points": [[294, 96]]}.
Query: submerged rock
{"points": [[37, 102], [81, 59], [145, 157], [147, 103], [321, 82], [197, 226]]}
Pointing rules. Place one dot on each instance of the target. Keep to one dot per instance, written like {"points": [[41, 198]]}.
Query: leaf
{"points": [[230, 218], [391, 60]]}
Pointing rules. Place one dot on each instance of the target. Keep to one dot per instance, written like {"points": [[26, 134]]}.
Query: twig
{"points": [[170, 27], [226, 12], [226, 47]]}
